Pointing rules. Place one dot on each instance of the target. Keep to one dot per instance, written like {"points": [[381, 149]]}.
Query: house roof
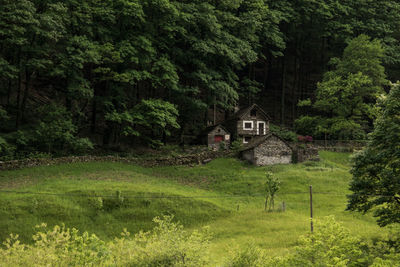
{"points": [[241, 113], [258, 140], [212, 128]]}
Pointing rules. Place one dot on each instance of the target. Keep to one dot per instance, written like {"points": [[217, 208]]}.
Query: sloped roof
{"points": [[256, 141], [212, 128], [241, 113]]}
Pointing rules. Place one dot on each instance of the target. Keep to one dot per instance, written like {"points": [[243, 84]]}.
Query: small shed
{"points": [[267, 150], [216, 137]]}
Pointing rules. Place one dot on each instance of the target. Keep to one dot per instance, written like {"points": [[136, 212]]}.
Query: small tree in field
{"points": [[272, 186]]}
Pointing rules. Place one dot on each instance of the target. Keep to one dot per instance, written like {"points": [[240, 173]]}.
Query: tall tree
{"points": [[376, 171], [346, 96]]}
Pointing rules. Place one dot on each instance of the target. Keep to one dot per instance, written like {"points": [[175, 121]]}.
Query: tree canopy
{"points": [[376, 172], [100, 60], [347, 94]]}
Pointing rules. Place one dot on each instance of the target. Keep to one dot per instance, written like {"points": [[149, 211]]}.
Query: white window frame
{"points": [[265, 127], [248, 129], [244, 140]]}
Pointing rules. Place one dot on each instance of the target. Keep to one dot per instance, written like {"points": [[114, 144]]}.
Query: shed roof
{"points": [[212, 128], [256, 141]]}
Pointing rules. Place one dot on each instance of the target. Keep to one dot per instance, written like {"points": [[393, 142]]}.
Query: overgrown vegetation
{"points": [[330, 245], [104, 198], [347, 95], [169, 245], [166, 245]]}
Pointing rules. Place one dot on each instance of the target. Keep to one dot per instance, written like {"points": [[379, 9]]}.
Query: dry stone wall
{"points": [[194, 159], [302, 154]]}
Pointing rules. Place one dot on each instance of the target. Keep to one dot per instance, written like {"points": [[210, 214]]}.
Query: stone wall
{"points": [[248, 155], [302, 154], [272, 151], [193, 159]]}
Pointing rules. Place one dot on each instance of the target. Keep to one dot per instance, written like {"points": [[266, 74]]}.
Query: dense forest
{"points": [[78, 74]]}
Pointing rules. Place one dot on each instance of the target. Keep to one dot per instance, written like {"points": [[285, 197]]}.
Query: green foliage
{"points": [[112, 61], [376, 169], [346, 96], [6, 150], [223, 184], [251, 256], [305, 103], [3, 114], [157, 115], [101, 59], [58, 246], [56, 131], [154, 115], [272, 186], [330, 245], [236, 145], [283, 133], [167, 245]]}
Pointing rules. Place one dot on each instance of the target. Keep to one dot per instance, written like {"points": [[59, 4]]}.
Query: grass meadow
{"points": [[226, 194]]}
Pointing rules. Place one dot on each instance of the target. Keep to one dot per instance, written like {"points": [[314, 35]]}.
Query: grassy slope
{"points": [[227, 184]]}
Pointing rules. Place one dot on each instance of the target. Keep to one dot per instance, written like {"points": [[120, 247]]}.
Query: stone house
{"points": [[248, 123], [215, 137], [251, 126], [267, 150]]}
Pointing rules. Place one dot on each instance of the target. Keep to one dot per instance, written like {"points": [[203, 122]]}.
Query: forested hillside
{"points": [[74, 74]]}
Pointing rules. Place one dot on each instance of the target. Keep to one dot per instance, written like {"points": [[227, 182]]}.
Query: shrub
{"points": [[330, 245], [57, 132], [5, 148], [167, 245], [283, 133], [236, 145], [57, 247], [251, 256]]}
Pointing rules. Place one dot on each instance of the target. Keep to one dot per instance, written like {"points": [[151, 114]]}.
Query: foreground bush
{"points": [[167, 245], [330, 245]]}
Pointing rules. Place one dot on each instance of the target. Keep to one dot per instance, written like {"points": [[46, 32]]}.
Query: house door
{"points": [[218, 138], [261, 128]]}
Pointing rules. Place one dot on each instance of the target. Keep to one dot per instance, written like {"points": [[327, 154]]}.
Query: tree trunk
{"points": [[28, 82], [9, 89], [18, 118], [283, 85], [94, 112]]}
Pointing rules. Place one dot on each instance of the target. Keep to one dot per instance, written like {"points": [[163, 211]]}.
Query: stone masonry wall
{"points": [[273, 151], [305, 154], [199, 158]]}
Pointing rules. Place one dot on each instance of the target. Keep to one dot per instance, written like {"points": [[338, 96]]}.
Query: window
{"points": [[261, 128], [246, 139], [247, 125], [253, 113]]}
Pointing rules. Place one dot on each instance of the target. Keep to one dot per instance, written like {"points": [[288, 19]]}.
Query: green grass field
{"points": [[226, 194]]}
